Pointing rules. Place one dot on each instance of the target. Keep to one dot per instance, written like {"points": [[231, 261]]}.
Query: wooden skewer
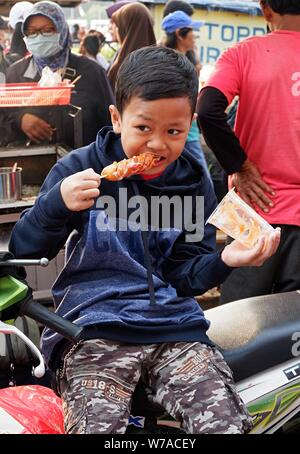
{"points": [[77, 79], [13, 177]]}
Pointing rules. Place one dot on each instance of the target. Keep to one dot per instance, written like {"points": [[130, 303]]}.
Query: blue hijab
{"points": [[55, 13]]}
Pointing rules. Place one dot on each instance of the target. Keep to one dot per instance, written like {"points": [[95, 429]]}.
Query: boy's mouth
{"points": [[160, 160], [157, 166]]}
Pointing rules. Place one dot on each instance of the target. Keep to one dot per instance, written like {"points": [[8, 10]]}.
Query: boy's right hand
{"points": [[80, 190]]}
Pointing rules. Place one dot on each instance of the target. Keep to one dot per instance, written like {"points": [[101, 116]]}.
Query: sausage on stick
{"points": [[127, 167]]}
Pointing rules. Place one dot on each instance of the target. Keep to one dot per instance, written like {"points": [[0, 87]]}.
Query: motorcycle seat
{"points": [[255, 334]]}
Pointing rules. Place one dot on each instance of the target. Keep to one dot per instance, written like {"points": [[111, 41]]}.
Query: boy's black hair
{"points": [[178, 5], [153, 73], [283, 6]]}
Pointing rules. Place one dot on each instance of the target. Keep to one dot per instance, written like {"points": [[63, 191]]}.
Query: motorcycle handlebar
{"points": [[40, 313], [51, 320], [25, 262]]}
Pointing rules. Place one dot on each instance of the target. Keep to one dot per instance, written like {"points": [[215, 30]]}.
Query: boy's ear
{"points": [[115, 119]]}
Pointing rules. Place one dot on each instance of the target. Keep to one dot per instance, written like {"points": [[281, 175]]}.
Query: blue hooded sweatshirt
{"points": [[120, 282]]}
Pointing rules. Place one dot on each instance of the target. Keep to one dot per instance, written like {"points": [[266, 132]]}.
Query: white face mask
{"points": [[43, 46]]}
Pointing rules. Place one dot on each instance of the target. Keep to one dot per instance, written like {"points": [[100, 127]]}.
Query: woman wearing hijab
{"points": [[134, 30], [48, 40]]}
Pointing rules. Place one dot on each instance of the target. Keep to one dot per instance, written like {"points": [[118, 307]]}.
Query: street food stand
{"points": [[35, 161]]}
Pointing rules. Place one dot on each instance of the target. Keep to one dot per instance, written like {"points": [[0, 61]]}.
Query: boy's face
{"points": [[160, 126]]}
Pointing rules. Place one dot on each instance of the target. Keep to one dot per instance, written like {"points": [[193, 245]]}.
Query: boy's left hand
{"points": [[235, 254]]}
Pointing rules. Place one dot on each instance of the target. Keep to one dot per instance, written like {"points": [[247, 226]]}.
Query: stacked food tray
{"points": [[31, 94]]}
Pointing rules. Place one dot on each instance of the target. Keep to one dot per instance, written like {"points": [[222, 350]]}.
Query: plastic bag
{"points": [[50, 78], [30, 410]]}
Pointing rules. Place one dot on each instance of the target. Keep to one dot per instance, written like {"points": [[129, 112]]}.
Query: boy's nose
{"points": [[156, 143]]}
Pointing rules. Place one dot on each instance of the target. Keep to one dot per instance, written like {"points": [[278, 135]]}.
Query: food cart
{"points": [[34, 163]]}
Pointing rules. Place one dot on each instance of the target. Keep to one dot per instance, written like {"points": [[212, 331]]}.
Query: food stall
{"points": [[25, 166]]}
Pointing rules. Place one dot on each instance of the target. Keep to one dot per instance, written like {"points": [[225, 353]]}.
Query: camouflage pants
{"points": [[190, 380]]}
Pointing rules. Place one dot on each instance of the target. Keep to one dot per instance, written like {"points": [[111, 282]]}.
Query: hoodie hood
{"points": [[186, 172]]}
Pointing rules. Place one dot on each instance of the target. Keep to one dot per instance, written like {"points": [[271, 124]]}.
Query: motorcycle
{"points": [[33, 409], [259, 338]]}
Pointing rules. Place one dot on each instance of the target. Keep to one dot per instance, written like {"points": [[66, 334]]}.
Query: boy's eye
{"points": [[174, 132], [143, 128]]}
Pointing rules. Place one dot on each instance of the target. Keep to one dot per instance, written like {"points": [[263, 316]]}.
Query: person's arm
{"points": [[192, 270], [225, 145], [195, 270], [26, 119], [43, 229], [69, 189], [195, 267], [217, 133], [7, 126]]}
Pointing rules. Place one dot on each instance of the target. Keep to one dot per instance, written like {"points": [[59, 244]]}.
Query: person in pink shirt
{"points": [[262, 155]]}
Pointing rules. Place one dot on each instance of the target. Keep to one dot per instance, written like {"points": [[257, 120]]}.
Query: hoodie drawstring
{"points": [[147, 257]]}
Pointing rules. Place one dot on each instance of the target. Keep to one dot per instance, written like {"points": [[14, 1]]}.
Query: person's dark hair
{"points": [[74, 32], [75, 28], [171, 42], [153, 73], [17, 45], [178, 5], [283, 6], [171, 38], [92, 44], [100, 35]]}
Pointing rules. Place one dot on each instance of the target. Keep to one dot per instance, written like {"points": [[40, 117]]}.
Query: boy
{"points": [[133, 288]]}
